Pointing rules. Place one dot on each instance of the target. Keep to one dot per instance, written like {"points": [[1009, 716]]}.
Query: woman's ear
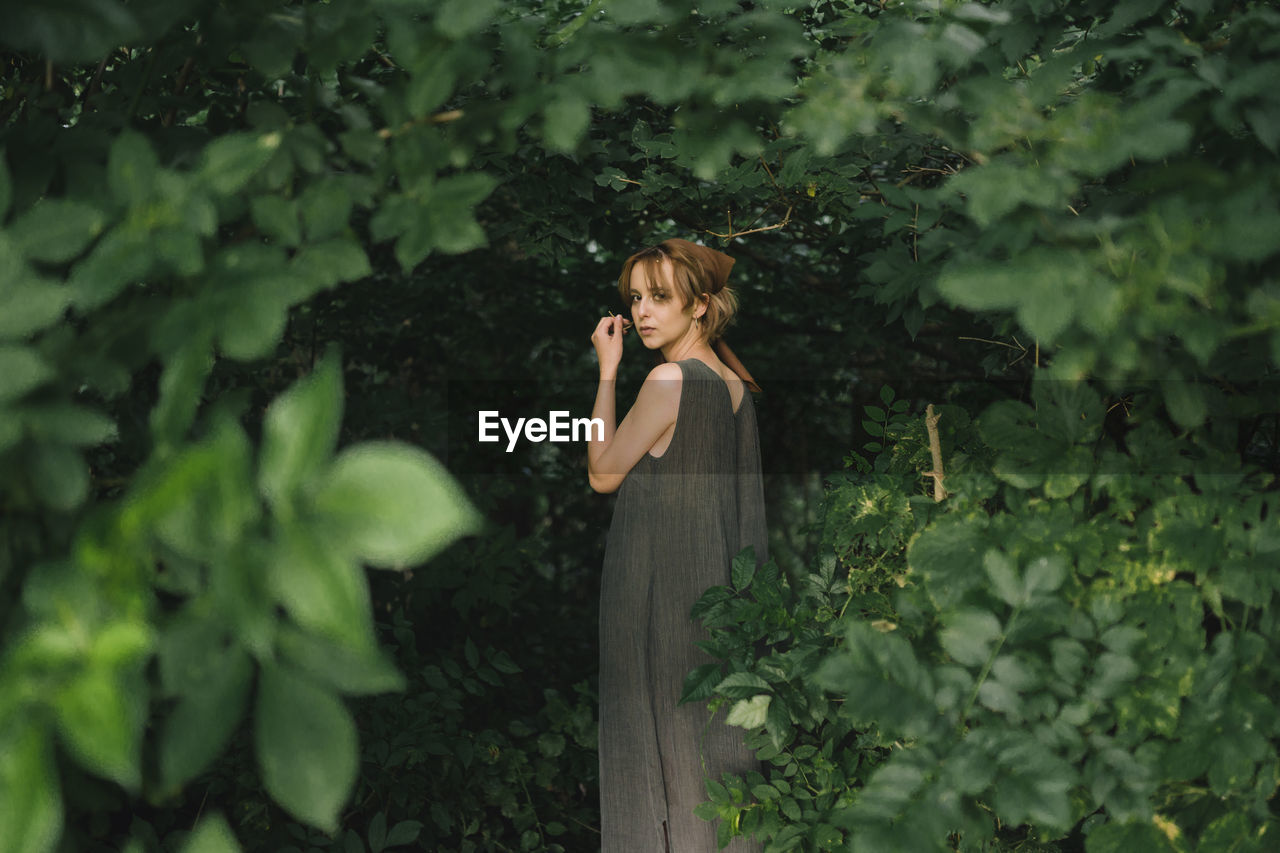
{"points": [[704, 302]]}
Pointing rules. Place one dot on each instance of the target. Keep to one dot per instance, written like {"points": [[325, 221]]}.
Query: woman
{"points": [[686, 464]]}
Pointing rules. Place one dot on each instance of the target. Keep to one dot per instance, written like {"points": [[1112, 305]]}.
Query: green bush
{"points": [[1072, 645]]}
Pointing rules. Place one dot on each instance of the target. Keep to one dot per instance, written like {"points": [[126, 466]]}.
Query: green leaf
{"points": [[347, 670], [322, 265], [306, 745], [21, 370], [968, 769], [1004, 577], [181, 387], [442, 218], [68, 423], [100, 715], [635, 11], [739, 685], [30, 796], [778, 722], [969, 635], [404, 832], [80, 32], [744, 568], [458, 18], [211, 836], [749, 714], [551, 744], [59, 476], [205, 717], [29, 305], [275, 41], [325, 206], [566, 119], [131, 167], [415, 242], [701, 683], [231, 161], [452, 212], [378, 832], [321, 589], [1047, 312], [503, 663], [1113, 837], [248, 297], [1111, 671], [431, 83], [118, 260], [1078, 462], [338, 33], [56, 230], [392, 505], [1185, 401], [457, 235], [1228, 833], [200, 502], [300, 432], [827, 836], [948, 554], [1042, 284], [277, 218], [1265, 124], [6, 187], [1045, 574], [440, 816], [999, 187]]}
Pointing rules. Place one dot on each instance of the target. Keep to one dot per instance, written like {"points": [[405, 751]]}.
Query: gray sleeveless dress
{"points": [[679, 520]]}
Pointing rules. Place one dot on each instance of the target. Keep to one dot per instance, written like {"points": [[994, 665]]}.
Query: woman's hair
{"points": [[692, 281]]}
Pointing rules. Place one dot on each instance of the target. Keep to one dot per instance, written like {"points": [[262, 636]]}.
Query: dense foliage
{"points": [[219, 222]]}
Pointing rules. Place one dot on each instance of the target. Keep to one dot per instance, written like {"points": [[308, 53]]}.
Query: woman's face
{"points": [[658, 316]]}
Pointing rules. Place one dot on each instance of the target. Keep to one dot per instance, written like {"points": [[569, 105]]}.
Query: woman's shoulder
{"points": [[667, 371]]}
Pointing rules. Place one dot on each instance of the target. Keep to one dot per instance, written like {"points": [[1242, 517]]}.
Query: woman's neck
{"points": [[695, 346]]}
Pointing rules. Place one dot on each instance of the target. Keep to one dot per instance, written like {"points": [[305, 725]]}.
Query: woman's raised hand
{"points": [[607, 339]]}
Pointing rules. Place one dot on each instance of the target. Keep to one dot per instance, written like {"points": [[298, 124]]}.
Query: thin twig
{"points": [[783, 224], [931, 419], [96, 83], [915, 235], [570, 29], [769, 172], [435, 118], [178, 89], [200, 810], [989, 341]]}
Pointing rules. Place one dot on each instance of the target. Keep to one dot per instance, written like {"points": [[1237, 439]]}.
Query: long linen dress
{"points": [[679, 520]]}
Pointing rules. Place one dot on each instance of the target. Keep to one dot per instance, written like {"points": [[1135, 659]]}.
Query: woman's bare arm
{"points": [[612, 458]]}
